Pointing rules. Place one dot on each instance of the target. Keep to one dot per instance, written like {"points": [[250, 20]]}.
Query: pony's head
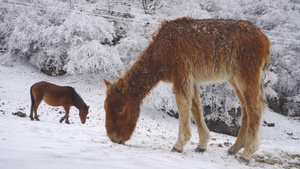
{"points": [[83, 112], [122, 111]]}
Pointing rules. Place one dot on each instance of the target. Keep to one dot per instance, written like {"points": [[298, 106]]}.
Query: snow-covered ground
{"points": [[49, 144]]}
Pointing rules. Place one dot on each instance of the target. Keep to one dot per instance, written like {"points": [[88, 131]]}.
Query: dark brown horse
{"points": [[55, 95], [184, 52]]}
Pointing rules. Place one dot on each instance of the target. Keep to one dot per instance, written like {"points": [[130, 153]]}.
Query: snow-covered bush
{"points": [[162, 97], [61, 40], [151, 6], [94, 57]]}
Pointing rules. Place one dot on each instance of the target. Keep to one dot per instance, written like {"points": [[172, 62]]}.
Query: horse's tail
{"points": [[32, 98], [263, 99]]}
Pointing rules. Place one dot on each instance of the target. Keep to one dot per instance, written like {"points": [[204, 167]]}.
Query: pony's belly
{"points": [[52, 102], [211, 77]]}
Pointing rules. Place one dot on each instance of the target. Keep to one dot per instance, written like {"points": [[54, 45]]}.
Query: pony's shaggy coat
{"points": [[186, 51]]}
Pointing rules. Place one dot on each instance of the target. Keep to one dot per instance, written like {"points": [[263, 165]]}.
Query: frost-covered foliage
{"points": [[80, 36], [92, 56], [163, 98], [138, 37], [60, 38]]}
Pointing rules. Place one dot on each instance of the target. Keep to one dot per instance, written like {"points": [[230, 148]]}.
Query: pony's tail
{"points": [[263, 99], [32, 98]]}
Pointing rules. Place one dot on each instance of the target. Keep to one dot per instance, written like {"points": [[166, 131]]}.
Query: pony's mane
{"points": [[77, 98]]}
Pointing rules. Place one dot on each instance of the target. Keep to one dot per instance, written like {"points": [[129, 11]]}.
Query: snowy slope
{"points": [[49, 144]]}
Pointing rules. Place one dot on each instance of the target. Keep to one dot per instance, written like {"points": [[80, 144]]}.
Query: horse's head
{"points": [[122, 112], [83, 112]]}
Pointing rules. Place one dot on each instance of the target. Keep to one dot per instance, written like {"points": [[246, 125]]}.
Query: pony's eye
{"points": [[120, 110]]}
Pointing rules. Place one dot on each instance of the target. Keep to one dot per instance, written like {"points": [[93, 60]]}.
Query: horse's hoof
{"points": [[176, 150], [230, 153], [67, 122], [61, 120], [243, 160], [37, 119], [31, 118], [199, 150]]}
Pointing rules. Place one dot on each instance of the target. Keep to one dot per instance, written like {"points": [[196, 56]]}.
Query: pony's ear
{"points": [[107, 83], [122, 85]]}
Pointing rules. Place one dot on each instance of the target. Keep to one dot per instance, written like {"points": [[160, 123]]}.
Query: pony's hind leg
{"points": [[183, 96], [31, 113], [67, 109], [203, 131], [32, 104], [250, 93], [34, 109], [254, 112], [240, 141], [35, 114]]}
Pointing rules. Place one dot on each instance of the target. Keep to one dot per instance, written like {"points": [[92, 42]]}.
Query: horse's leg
{"points": [[251, 95], [67, 109], [240, 141], [38, 101], [31, 113], [32, 104], [203, 131], [183, 94], [62, 119]]}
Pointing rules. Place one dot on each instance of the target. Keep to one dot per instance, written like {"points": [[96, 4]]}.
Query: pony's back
{"points": [[213, 48]]}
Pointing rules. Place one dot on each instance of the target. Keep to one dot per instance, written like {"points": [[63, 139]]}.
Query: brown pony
{"points": [[186, 51], [55, 95]]}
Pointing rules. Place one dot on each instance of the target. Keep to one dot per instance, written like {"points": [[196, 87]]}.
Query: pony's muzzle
{"points": [[115, 141], [112, 139], [82, 122]]}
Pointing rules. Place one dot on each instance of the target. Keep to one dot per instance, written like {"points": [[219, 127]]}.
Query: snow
{"points": [[49, 144]]}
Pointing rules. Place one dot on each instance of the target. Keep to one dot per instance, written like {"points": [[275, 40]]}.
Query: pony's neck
{"points": [[143, 75], [78, 102]]}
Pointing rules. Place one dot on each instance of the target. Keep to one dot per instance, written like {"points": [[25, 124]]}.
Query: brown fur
{"points": [[55, 95], [184, 52]]}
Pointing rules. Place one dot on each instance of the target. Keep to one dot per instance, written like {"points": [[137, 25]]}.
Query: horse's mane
{"points": [[77, 98]]}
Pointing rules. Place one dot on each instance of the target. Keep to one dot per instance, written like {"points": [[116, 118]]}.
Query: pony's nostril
{"points": [[112, 139], [120, 142]]}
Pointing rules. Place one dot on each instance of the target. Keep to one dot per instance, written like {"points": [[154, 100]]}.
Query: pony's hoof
{"points": [[243, 160], [61, 120], [230, 153], [37, 119], [67, 122], [199, 150], [176, 150], [232, 150]]}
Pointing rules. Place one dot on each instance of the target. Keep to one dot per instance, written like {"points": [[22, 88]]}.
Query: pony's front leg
{"points": [[183, 100], [67, 120], [67, 109], [62, 119]]}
